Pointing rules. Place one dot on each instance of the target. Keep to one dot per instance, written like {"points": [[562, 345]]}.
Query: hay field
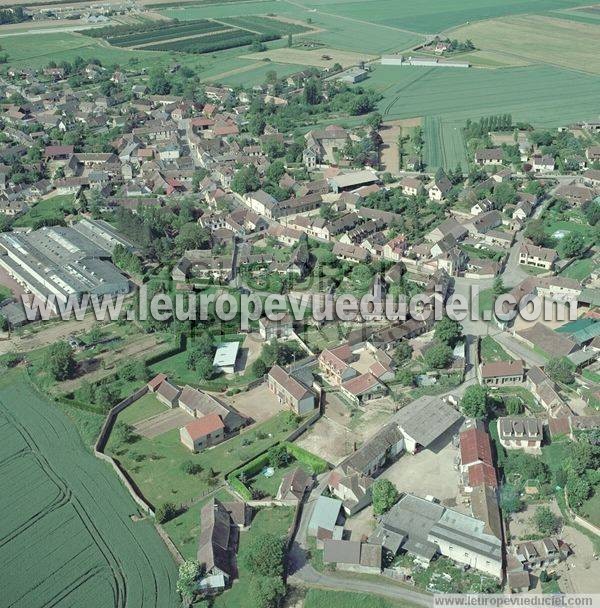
{"points": [[312, 57], [538, 39], [66, 533], [444, 144]]}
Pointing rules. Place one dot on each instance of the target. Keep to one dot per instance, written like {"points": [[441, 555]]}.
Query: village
{"points": [[418, 455]]}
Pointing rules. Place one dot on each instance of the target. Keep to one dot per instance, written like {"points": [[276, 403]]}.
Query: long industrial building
{"points": [[65, 261]]}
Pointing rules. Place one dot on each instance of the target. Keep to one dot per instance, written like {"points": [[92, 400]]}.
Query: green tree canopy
{"points": [[385, 495]]}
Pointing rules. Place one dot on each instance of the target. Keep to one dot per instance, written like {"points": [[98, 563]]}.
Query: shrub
{"points": [[165, 512]]}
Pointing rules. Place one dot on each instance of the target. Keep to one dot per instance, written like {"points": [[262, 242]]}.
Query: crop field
{"points": [[444, 144], [66, 535], [462, 94], [266, 25], [224, 39], [166, 32], [538, 39], [312, 57]]}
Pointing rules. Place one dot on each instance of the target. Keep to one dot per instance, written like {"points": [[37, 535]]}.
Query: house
{"points": [[395, 248], [282, 328], [482, 206], [439, 188], [543, 163], [488, 156], [218, 541], [521, 434], [294, 486], [350, 253], [369, 459], [199, 404], [538, 554], [423, 528], [540, 257], [326, 517], [484, 223], [202, 433], [543, 389], [593, 154], [353, 556], [476, 462], [352, 488], [447, 227], [518, 581], [576, 195], [290, 391], [363, 388], [424, 420], [335, 366], [411, 186], [499, 373], [168, 393]]}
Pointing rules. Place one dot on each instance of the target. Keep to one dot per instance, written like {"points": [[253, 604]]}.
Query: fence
{"points": [[103, 440]]}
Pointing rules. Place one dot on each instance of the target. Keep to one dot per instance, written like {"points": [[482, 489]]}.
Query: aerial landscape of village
{"points": [[299, 303]]}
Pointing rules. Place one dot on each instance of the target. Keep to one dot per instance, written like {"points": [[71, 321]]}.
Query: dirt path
{"points": [[390, 132]]}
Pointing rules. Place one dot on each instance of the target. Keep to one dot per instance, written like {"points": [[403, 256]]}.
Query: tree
{"points": [[438, 356], [385, 496], [266, 591], [246, 180], [561, 370], [165, 512], [259, 369], [405, 377], [312, 92], [264, 555], [59, 361], [278, 457], [402, 353], [546, 522], [275, 171], [510, 502], [190, 467], [578, 490], [189, 572], [514, 406], [475, 402], [536, 233], [374, 121], [192, 236], [572, 245], [448, 331], [123, 433], [498, 287], [204, 369]]}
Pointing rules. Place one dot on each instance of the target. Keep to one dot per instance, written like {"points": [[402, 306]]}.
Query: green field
{"points": [[579, 270], [143, 408], [492, 351], [444, 144], [67, 534], [319, 598]]}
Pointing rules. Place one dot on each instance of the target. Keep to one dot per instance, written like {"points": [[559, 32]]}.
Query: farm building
{"points": [[226, 356]]}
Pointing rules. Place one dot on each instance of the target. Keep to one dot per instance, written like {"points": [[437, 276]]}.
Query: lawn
{"points": [[143, 408], [579, 270], [486, 300], [492, 351], [50, 209], [155, 464], [5, 292], [591, 507], [319, 598], [523, 394], [68, 534], [276, 520]]}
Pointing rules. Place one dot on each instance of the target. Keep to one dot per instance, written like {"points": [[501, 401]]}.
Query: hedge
{"points": [[240, 488], [317, 464]]}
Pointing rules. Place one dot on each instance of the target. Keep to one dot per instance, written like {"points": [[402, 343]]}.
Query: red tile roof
{"points": [[156, 381], [482, 474], [498, 369], [203, 426], [475, 447]]}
